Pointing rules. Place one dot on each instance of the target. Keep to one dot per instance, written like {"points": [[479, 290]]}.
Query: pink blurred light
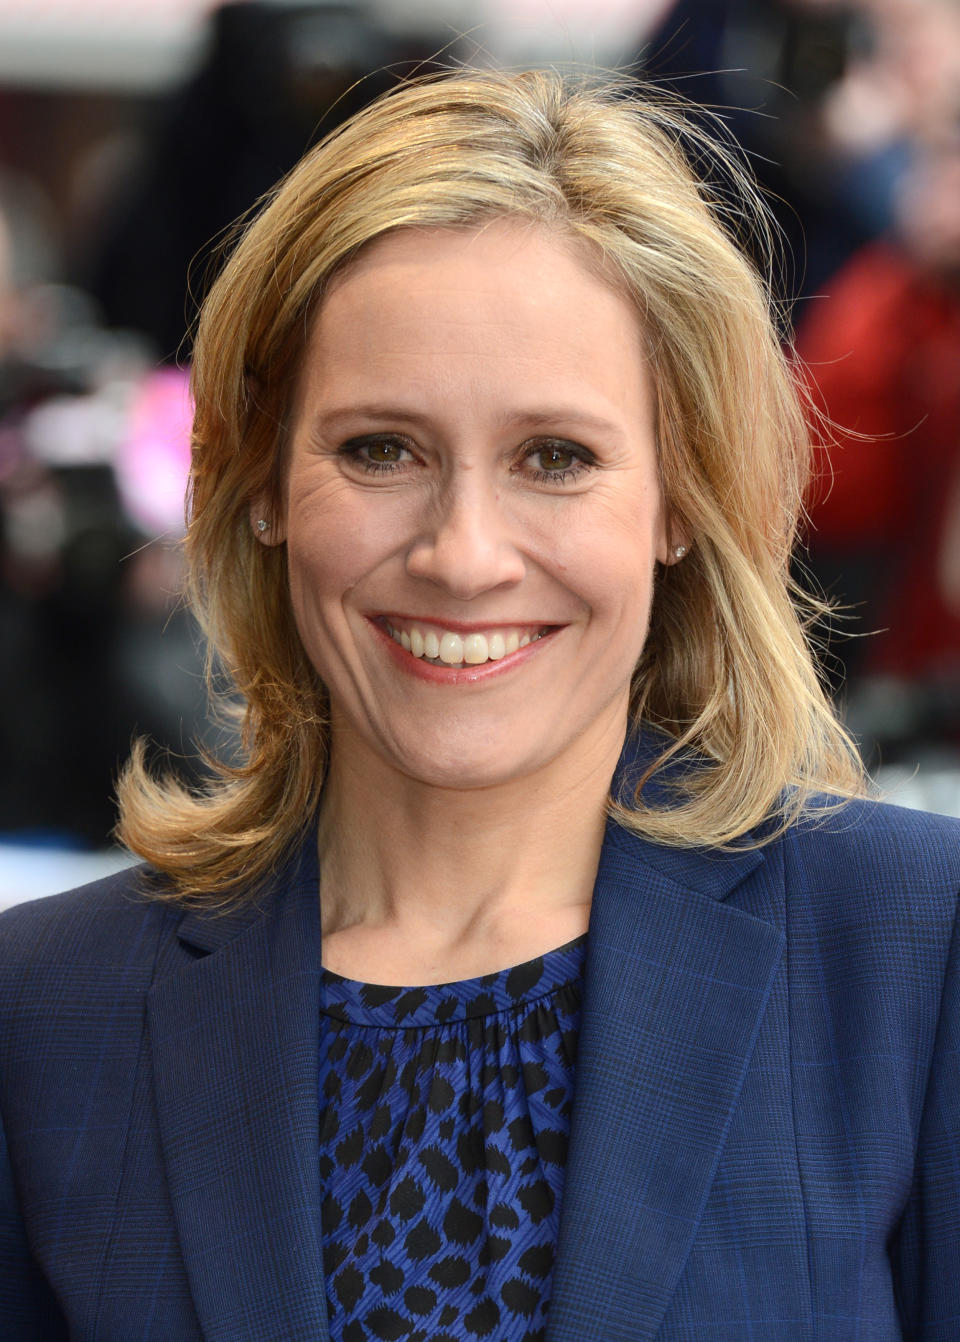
{"points": [[154, 458]]}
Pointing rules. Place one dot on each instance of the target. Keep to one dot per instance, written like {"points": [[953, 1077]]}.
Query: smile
{"points": [[446, 647]]}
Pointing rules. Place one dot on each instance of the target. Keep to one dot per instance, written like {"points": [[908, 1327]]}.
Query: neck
{"points": [[426, 884]]}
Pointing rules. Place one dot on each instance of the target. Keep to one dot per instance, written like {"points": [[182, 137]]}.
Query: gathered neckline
{"points": [[440, 1003]]}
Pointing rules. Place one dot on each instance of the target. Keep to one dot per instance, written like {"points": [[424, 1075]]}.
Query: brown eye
{"points": [[555, 458], [384, 451], [377, 455], [556, 462]]}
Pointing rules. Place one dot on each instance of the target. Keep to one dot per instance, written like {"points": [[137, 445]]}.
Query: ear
{"points": [[267, 527], [674, 543]]}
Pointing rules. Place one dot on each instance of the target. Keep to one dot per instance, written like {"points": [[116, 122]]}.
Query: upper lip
{"points": [[466, 626]]}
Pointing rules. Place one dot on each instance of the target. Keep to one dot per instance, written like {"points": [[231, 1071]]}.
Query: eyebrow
{"points": [[532, 418]]}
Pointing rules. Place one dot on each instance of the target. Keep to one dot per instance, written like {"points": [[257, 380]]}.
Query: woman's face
{"points": [[472, 506]]}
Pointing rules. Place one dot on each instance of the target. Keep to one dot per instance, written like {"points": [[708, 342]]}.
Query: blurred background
{"points": [[131, 135]]}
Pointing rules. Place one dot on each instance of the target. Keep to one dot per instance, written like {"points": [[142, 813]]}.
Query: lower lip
{"points": [[459, 675]]}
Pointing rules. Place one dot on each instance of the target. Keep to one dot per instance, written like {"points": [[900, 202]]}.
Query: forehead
{"points": [[467, 294], [499, 240]]}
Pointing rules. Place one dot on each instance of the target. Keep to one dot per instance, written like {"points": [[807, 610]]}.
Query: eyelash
{"points": [[355, 447], [583, 458]]}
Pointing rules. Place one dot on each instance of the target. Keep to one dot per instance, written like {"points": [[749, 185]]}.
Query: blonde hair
{"points": [[727, 674]]}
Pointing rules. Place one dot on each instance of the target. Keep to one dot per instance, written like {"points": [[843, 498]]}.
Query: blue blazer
{"points": [[766, 1132]]}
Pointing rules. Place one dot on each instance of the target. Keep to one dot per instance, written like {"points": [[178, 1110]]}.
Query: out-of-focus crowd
{"points": [[850, 113], [851, 116]]}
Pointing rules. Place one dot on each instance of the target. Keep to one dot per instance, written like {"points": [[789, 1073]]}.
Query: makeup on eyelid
{"points": [[567, 461]]}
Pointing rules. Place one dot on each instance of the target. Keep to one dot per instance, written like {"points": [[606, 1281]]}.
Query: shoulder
{"points": [[107, 931], [875, 846], [75, 971], [871, 896]]}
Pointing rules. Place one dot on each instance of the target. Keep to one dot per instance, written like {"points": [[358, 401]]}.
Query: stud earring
{"points": [[679, 551], [262, 525]]}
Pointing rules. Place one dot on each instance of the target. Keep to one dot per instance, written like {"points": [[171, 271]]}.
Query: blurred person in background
{"points": [[827, 96], [768, 67], [275, 76], [94, 449], [849, 112], [57, 602], [882, 348], [899, 94], [537, 970]]}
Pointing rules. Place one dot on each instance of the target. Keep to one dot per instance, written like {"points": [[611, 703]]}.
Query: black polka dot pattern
{"points": [[443, 1135]]}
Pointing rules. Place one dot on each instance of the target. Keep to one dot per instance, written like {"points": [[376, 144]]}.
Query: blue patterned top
{"points": [[443, 1138]]}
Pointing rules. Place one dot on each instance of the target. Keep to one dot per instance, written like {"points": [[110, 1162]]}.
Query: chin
{"points": [[466, 775], [464, 769]]}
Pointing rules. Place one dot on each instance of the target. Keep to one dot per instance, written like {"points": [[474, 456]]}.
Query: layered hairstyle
{"points": [[744, 732]]}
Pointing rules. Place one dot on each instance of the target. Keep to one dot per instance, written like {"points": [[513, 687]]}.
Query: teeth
{"points": [[450, 649], [476, 650]]}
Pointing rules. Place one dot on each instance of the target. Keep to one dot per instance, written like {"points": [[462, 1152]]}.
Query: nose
{"points": [[467, 546]]}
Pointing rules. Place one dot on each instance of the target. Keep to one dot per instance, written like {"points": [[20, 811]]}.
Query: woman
{"points": [[611, 1020]]}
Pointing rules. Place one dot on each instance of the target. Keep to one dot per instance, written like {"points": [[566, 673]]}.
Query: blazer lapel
{"points": [[676, 984], [235, 1038]]}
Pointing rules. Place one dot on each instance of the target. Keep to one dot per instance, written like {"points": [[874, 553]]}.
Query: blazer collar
{"points": [[676, 984], [235, 1039]]}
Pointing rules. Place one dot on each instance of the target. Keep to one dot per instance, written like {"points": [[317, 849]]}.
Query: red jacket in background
{"points": [[882, 350]]}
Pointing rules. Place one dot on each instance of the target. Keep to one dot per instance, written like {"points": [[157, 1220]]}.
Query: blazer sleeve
{"points": [[926, 1255], [28, 1310]]}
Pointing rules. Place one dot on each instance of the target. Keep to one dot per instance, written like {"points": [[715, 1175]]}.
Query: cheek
{"points": [[319, 559], [332, 538], [610, 559], [621, 607]]}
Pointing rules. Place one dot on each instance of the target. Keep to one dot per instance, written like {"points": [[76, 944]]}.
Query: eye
{"points": [[378, 454], [557, 461], [554, 458]]}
